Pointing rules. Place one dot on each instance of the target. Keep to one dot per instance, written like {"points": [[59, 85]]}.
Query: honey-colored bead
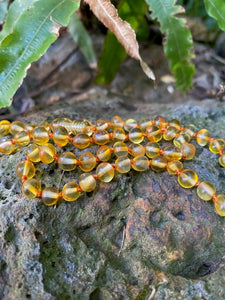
{"points": [[174, 166], [159, 121], [29, 127], [123, 164], [50, 196], [136, 136], [47, 153], [130, 124], [206, 190], [152, 149], [116, 121], [120, 149], [64, 122], [67, 161], [222, 160], [16, 127], [140, 163], [4, 127], [172, 153], [215, 146], [6, 146], [170, 133], [104, 153], [87, 182], [81, 141], [154, 134], [158, 163], [203, 137], [40, 135], [60, 136], [22, 138], [101, 125], [70, 191], [33, 153], [181, 139], [136, 149], [87, 161], [175, 123], [145, 123], [188, 151], [101, 137], [44, 124], [31, 188], [187, 178], [105, 172], [190, 130], [25, 169], [220, 205], [119, 134], [80, 126]]}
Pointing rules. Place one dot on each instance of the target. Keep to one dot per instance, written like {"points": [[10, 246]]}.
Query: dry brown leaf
{"points": [[106, 12]]}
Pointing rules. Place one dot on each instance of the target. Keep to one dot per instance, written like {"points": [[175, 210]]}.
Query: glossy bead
{"points": [[29, 127], [174, 166], [44, 124], [136, 149], [172, 153], [170, 133], [116, 121], [222, 160], [203, 137], [145, 123], [67, 161], [220, 205], [188, 151], [47, 153], [216, 145], [33, 153], [101, 125], [159, 121], [80, 126], [158, 163], [130, 124], [81, 141], [154, 134], [70, 191], [31, 188], [136, 135], [25, 169], [123, 164], [87, 182], [16, 127], [40, 135], [6, 146], [175, 123], [120, 149], [4, 127], [101, 137], [64, 122], [187, 178], [181, 139], [22, 138], [87, 161], [119, 134], [190, 130], [105, 172], [152, 149], [60, 136], [140, 163], [104, 153], [50, 196], [206, 190]]}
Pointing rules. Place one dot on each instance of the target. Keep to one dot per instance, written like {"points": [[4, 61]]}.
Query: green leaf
{"points": [[216, 9], [178, 41], [3, 9], [82, 38], [33, 32]]}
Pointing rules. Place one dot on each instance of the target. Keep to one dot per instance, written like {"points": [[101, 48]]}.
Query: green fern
{"points": [[216, 9]]}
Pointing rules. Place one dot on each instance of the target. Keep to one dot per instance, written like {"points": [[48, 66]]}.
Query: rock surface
{"points": [[139, 237]]}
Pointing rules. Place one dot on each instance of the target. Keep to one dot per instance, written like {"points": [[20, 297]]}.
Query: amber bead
{"points": [[159, 121], [67, 161], [175, 123], [80, 126], [44, 124], [101, 137], [203, 137], [64, 122], [182, 139], [87, 161], [140, 163], [6, 146], [172, 153], [16, 127], [222, 160], [170, 133], [216, 145], [101, 125], [120, 149], [174, 166], [220, 205], [206, 190], [47, 153], [123, 164], [116, 121], [31, 188], [187, 178], [60, 136], [130, 124], [50, 196], [104, 153], [152, 149], [158, 163], [25, 169], [105, 172], [87, 182], [136, 149], [70, 191], [154, 134], [119, 134], [40, 135], [145, 123], [33, 153], [188, 151], [22, 138], [29, 127], [136, 135], [4, 127], [81, 141], [190, 130]]}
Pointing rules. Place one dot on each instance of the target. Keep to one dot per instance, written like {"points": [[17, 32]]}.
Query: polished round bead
{"points": [[104, 153], [119, 134], [33, 153], [47, 153], [145, 123], [120, 149], [187, 178], [174, 166], [158, 163], [22, 138], [136, 149], [70, 191], [101, 125], [31, 188], [50, 196], [152, 149], [188, 151], [101, 137], [136, 135], [87, 161], [87, 182], [40, 135], [25, 169], [4, 127], [154, 133], [130, 124], [175, 123], [140, 163], [181, 139], [203, 137], [159, 121], [216, 145], [116, 121], [64, 122], [6, 146], [123, 164], [16, 127], [80, 126], [60, 136], [29, 127], [81, 141], [44, 124], [222, 160], [172, 153], [67, 161], [190, 130], [105, 172], [170, 133], [220, 205], [206, 190]]}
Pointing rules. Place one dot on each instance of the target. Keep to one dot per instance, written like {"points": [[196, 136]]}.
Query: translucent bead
{"points": [[64, 122], [6, 146], [190, 130], [67, 161], [220, 205], [203, 137], [16, 127], [172, 153], [101, 125], [152, 149], [119, 134], [70, 191], [101, 137], [216, 145], [145, 123], [50, 196], [130, 124], [174, 166], [188, 151], [104, 153], [116, 121], [31, 188], [120, 149], [40, 135], [158, 163], [4, 127], [222, 160], [175, 123], [60, 136], [136, 149], [80, 126], [187, 178], [140, 163], [22, 138], [44, 124], [29, 127], [123, 164], [170, 133], [159, 121], [206, 190], [81, 141], [47, 153], [105, 172], [25, 169], [87, 161], [33, 153], [181, 139], [87, 182], [136, 136], [154, 134]]}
